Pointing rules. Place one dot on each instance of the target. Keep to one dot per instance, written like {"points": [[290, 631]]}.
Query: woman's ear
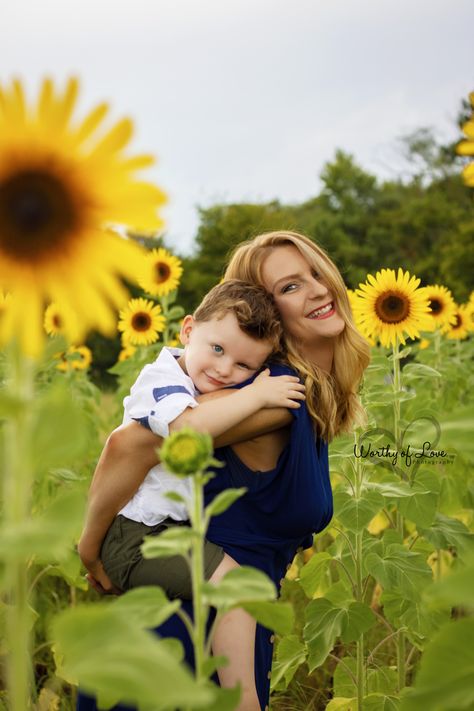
{"points": [[186, 329]]}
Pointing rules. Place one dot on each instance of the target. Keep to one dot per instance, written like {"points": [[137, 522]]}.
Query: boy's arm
{"points": [[265, 391]]}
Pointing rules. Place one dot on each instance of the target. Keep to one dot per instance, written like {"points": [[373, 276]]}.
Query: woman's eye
{"points": [[315, 274], [217, 349], [288, 287]]}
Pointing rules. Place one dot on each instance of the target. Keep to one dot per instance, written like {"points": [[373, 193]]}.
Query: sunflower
{"points": [[58, 320], [354, 300], [161, 272], [62, 186], [141, 321], [75, 358], [469, 309], [460, 329], [126, 353], [391, 306], [442, 306]]}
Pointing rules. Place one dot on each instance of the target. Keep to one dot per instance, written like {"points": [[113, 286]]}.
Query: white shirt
{"points": [[160, 394]]}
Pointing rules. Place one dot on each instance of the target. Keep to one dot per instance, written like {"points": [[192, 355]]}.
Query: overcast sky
{"points": [[245, 100]]}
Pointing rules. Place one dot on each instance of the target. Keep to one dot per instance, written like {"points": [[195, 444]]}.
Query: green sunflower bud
{"points": [[187, 452]]}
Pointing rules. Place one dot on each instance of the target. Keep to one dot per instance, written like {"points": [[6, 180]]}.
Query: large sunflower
{"points": [[161, 272], [141, 322], [460, 329], [61, 184], [442, 306], [391, 306]]}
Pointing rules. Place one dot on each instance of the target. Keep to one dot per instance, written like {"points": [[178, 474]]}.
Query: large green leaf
{"points": [[356, 514], [290, 654], [113, 658], [399, 570], [146, 607], [421, 507], [325, 623], [313, 572], [277, 616], [457, 588], [381, 702], [241, 585], [340, 703], [445, 680], [345, 675]]}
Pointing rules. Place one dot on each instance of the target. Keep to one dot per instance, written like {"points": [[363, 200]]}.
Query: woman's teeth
{"points": [[321, 312]]}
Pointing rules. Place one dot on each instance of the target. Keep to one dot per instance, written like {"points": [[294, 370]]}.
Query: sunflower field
{"points": [[376, 615]]}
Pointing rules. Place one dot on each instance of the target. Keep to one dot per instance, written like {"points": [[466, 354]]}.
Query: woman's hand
{"points": [[278, 391]]}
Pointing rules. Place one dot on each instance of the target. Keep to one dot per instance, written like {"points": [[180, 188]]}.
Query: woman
{"points": [[284, 468]]}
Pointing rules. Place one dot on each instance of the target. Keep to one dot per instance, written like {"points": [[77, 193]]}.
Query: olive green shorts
{"points": [[126, 567]]}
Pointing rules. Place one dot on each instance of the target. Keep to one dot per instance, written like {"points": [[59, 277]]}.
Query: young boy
{"points": [[227, 340]]}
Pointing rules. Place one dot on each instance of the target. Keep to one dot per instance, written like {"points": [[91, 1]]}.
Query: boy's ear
{"points": [[186, 328]]}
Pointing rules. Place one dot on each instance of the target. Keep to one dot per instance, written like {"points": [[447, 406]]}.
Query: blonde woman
{"points": [[280, 456]]}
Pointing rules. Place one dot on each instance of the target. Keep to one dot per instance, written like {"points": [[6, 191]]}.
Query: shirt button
{"points": [[272, 639], [269, 675], [281, 581], [266, 708]]}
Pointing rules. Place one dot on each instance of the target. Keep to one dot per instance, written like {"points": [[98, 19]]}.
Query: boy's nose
{"points": [[224, 368]]}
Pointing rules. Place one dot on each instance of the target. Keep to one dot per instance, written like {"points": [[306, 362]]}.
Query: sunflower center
{"points": [[36, 213], [458, 321], [57, 321], [392, 307], [162, 272], [141, 321], [436, 306]]}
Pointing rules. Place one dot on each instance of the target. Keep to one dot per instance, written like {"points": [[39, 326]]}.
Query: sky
{"points": [[246, 100]]}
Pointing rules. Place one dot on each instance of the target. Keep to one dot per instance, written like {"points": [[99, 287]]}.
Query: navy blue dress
{"points": [[279, 513]]}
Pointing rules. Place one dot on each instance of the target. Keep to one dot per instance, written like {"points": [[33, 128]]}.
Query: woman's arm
{"points": [[128, 455]]}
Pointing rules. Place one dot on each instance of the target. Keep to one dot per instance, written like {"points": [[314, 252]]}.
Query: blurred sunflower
{"points": [[58, 321], [391, 307], [161, 272], [141, 322], [466, 146], [354, 300], [442, 306], [469, 309], [460, 329], [75, 358], [126, 353], [61, 184]]}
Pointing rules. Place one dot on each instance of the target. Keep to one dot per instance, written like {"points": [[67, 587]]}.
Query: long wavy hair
{"points": [[332, 398]]}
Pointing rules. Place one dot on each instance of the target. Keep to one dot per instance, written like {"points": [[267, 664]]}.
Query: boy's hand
{"points": [[100, 581], [278, 391]]}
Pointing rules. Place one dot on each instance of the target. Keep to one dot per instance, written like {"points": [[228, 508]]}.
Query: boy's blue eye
{"points": [[217, 349]]}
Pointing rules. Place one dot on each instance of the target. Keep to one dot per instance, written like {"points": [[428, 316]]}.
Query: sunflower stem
{"points": [[197, 571], [359, 587], [18, 480], [399, 518]]}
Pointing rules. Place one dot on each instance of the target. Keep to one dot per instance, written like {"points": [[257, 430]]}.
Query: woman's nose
{"points": [[317, 289]]}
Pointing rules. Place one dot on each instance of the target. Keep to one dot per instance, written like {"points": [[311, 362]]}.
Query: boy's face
{"points": [[218, 354]]}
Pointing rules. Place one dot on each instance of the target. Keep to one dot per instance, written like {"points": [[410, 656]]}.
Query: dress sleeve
{"points": [[157, 398]]}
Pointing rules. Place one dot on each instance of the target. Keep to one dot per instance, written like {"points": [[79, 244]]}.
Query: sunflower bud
{"points": [[187, 452]]}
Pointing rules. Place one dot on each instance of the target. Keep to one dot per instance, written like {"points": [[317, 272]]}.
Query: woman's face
{"points": [[307, 306]]}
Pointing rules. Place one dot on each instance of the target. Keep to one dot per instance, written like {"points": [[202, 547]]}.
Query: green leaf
{"points": [[344, 684], [399, 570], [174, 496], [290, 655], [382, 680], [146, 607], [454, 589], [421, 507], [241, 585], [381, 702], [342, 704], [413, 371], [391, 489], [49, 535], [223, 500], [313, 572], [174, 541], [175, 313], [113, 658], [356, 514], [277, 616], [325, 623], [445, 532], [421, 623], [445, 680], [225, 699]]}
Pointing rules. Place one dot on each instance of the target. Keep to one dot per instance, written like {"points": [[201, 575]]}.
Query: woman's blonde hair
{"points": [[331, 398]]}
